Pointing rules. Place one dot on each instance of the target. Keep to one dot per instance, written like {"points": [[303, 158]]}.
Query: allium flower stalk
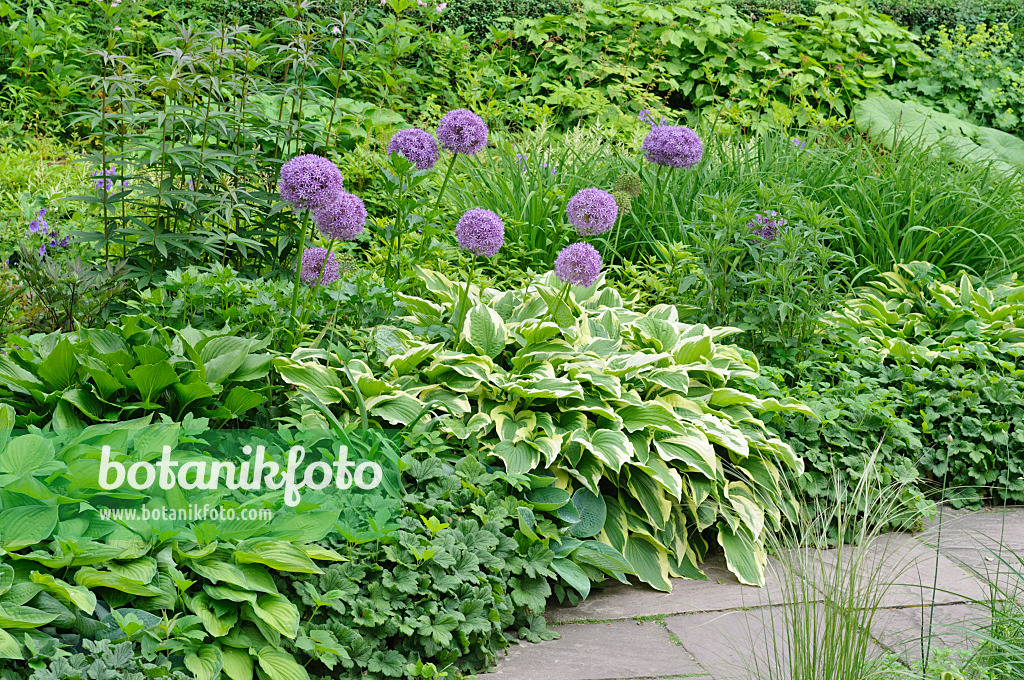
{"points": [[462, 132], [342, 217], [418, 146], [592, 211], [312, 271], [672, 146], [768, 225], [480, 232], [579, 264], [309, 180]]}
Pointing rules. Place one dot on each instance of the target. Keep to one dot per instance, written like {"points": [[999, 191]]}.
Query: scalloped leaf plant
{"points": [[637, 417]]}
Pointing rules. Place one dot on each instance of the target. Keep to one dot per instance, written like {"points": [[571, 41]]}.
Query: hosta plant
{"points": [[634, 415]]}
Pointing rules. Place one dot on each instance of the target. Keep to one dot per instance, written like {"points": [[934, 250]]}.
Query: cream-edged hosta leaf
{"points": [[652, 414], [611, 447], [442, 289], [667, 476], [625, 363], [650, 495], [205, 663], [468, 365], [512, 425], [546, 388], [485, 331], [80, 597], [727, 396], [534, 332], [649, 560], [591, 403], [685, 403], [674, 378], [695, 347], [548, 447], [658, 334], [519, 458], [321, 381], [744, 502], [724, 434], [462, 430], [409, 360], [397, 409], [455, 404], [608, 384], [745, 558], [787, 405]]}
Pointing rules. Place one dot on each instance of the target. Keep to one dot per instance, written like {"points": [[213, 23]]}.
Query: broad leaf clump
{"points": [[581, 393]]}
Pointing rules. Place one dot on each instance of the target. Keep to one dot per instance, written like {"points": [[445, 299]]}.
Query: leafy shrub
{"points": [[977, 76], [477, 17], [129, 370], [638, 410], [438, 592], [928, 371], [612, 59]]}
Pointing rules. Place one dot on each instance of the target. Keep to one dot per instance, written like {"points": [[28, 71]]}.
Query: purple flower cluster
{"points": [[342, 216], [592, 211], [313, 263], [41, 227], [309, 180], [673, 146], [418, 146], [799, 143], [645, 117], [462, 131], [480, 232], [768, 225], [578, 264], [105, 182]]}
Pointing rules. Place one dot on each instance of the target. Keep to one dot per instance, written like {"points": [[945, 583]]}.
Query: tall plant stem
{"points": [[440, 194], [298, 273]]}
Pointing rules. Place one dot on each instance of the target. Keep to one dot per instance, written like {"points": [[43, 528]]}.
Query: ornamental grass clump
{"points": [[592, 211], [417, 146]]}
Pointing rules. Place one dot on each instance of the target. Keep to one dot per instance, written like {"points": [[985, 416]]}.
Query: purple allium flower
{"points": [[462, 131], [313, 262], [578, 264], [309, 180], [674, 146], [342, 217], [767, 226], [480, 232], [592, 211], [418, 146]]}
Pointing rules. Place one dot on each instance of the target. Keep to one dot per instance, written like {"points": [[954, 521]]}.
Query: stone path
{"points": [[721, 630]]}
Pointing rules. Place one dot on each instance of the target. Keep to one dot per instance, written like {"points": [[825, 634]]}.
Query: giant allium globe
{"points": [[592, 211], [578, 264], [480, 232], [418, 147], [342, 217], [673, 146], [462, 131], [313, 262], [309, 180]]}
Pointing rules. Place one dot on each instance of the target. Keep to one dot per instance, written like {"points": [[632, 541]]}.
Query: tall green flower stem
{"points": [[563, 298], [319, 280], [440, 194], [463, 304], [298, 273]]}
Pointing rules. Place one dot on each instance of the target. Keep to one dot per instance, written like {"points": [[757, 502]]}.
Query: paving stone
{"points": [[971, 529], [1004, 571], [720, 592], [739, 645], [906, 631], [895, 570], [600, 651]]}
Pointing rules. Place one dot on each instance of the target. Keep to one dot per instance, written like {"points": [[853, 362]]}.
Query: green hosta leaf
{"points": [[151, 379], [276, 664], [218, 625], [485, 331], [206, 663], [653, 415], [602, 556], [745, 559], [237, 663], [397, 409], [611, 447], [94, 578], [693, 450], [650, 561], [277, 612], [9, 647], [26, 525], [571, 573], [7, 574], [279, 555], [548, 498], [60, 366], [592, 511], [78, 596], [519, 458], [29, 454], [19, 616]]}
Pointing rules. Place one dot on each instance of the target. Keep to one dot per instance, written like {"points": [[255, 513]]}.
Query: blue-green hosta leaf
{"points": [[571, 573], [278, 555], [546, 499], [519, 458], [650, 561], [602, 556], [80, 597], [592, 511], [485, 331], [745, 559], [205, 663]]}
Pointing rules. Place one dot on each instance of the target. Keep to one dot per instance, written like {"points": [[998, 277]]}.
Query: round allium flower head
{"points": [[628, 183], [462, 131], [480, 232], [313, 262], [624, 201], [309, 180], [578, 264], [674, 146], [418, 146], [592, 211], [342, 217]]}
